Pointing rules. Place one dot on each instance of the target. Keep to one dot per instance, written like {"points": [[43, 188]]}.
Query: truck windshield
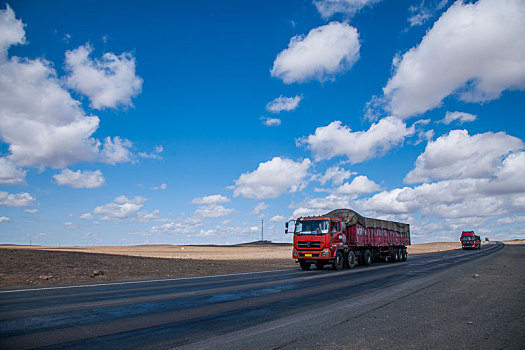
{"points": [[311, 227], [467, 238]]}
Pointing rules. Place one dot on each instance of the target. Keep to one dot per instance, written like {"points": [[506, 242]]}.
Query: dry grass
{"points": [[252, 251]]}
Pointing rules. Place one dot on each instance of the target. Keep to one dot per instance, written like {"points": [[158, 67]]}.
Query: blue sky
{"points": [[190, 122]]}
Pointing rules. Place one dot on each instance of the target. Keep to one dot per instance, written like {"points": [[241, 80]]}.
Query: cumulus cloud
{"points": [[186, 226], [116, 151], [121, 208], [335, 174], [474, 49], [359, 185], [272, 178], [22, 199], [40, 122], [80, 179], [459, 155], [109, 82], [31, 211], [10, 174], [212, 199], [461, 117], [325, 52], [278, 218], [271, 121], [213, 211], [338, 140], [282, 103], [327, 8], [4, 219]]}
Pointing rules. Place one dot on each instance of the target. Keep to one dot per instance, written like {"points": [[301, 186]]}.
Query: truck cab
{"points": [[317, 240], [469, 240]]}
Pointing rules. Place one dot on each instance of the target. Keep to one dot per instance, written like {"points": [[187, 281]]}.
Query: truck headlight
{"points": [[325, 252]]}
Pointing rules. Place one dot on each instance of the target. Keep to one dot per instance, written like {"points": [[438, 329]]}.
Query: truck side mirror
{"points": [[343, 226], [286, 228]]}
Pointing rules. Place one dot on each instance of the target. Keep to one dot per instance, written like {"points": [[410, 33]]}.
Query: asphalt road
{"points": [[429, 301]]}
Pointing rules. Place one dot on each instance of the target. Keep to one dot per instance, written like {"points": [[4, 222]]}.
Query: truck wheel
{"points": [[339, 261], [404, 254], [320, 265], [351, 260], [394, 256], [305, 265], [367, 258]]}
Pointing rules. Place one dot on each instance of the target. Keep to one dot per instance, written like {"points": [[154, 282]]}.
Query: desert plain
{"points": [[46, 265]]}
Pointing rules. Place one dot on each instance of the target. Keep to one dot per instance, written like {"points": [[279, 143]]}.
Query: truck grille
{"points": [[309, 244]]}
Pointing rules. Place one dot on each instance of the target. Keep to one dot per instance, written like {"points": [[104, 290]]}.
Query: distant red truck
{"points": [[342, 237], [469, 240]]}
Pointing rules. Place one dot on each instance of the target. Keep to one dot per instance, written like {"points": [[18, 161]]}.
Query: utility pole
{"points": [[262, 230]]}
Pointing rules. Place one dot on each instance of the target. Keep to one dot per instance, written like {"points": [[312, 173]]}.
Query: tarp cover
{"points": [[351, 217]]}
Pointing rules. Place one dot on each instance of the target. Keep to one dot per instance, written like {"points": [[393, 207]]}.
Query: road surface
{"points": [[383, 305]]}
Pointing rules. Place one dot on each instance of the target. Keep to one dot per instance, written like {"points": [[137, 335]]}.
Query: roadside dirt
{"points": [[23, 266]]}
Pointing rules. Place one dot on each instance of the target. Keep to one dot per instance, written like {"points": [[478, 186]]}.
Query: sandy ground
{"points": [[47, 266], [249, 251]]}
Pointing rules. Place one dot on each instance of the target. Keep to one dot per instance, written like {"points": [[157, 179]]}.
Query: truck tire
{"points": [[404, 254], [305, 265], [351, 260], [339, 261], [394, 256], [366, 258]]}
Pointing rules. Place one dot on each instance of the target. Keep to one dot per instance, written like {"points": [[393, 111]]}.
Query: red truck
{"points": [[342, 237], [469, 240]]}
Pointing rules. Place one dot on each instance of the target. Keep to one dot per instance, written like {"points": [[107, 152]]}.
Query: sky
{"points": [[185, 122]]}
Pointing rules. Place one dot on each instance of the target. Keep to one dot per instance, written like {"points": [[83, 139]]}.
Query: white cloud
{"points": [[109, 82], [22, 199], [500, 192], [213, 211], [278, 218], [135, 200], [282, 103], [511, 220], [335, 174], [4, 219], [144, 216], [271, 121], [32, 211], [121, 208], [461, 117], [70, 225], [360, 185], [320, 206], [272, 178], [475, 49], [152, 155], [325, 52], [187, 226], [338, 140], [80, 179], [459, 155], [260, 207], [161, 187], [10, 174], [86, 216], [421, 13], [327, 8], [11, 29], [116, 151], [212, 199]]}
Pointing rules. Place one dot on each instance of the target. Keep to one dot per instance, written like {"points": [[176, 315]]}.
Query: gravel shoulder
{"points": [[32, 267]]}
